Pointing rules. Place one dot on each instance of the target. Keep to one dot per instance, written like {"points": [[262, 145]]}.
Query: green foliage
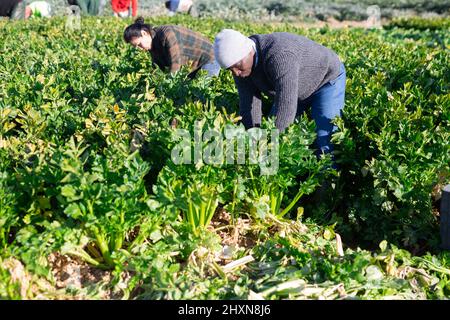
{"points": [[340, 9], [308, 265], [86, 168], [421, 23], [392, 139]]}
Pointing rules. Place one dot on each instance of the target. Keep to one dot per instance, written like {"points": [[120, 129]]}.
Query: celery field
{"points": [[93, 207]]}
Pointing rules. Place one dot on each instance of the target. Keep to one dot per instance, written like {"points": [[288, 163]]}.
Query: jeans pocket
{"points": [[333, 82], [341, 74]]}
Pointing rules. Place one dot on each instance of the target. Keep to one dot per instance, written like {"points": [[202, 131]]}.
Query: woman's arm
{"points": [[172, 50]]}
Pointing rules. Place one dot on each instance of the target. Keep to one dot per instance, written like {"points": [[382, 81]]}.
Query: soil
{"points": [[237, 235], [74, 273], [331, 23]]}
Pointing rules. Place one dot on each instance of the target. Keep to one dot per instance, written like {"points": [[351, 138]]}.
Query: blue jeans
{"points": [[213, 68], [326, 104]]}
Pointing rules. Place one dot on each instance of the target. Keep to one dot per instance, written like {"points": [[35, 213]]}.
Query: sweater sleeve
{"points": [[249, 103], [284, 70]]}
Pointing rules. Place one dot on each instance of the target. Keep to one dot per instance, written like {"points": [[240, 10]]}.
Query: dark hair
{"points": [[134, 30], [167, 4]]}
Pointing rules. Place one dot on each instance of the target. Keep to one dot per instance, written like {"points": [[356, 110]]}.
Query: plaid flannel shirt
{"points": [[174, 46]]}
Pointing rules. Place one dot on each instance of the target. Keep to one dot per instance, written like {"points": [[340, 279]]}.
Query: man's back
{"points": [[314, 63]]}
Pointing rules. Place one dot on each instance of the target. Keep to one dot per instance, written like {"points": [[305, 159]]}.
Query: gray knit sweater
{"points": [[290, 68]]}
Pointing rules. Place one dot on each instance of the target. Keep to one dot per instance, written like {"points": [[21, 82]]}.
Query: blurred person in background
{"points": [[89, 7], [38, 9], [181, 6], [124, 8], [13, 9]]}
